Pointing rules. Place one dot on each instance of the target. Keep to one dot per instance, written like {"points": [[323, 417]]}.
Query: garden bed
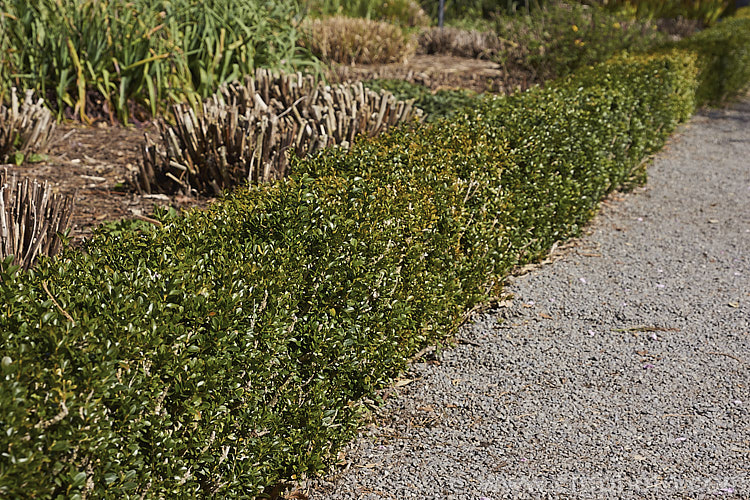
{"points": [[99, 162], [230, 349]]}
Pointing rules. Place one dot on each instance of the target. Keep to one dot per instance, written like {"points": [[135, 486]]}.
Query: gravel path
{"points": [[621, 370]]}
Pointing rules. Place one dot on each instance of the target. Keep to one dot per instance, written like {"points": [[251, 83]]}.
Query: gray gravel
{"points": [[620, 370]]}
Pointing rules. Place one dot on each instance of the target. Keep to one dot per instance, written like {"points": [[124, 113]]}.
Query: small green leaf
{"points": [[79, 479], [37, 158], [17, 158], [61, 446]]}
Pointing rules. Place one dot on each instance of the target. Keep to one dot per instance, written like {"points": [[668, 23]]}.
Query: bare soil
{"points": [[439, 72], [98, 163]]}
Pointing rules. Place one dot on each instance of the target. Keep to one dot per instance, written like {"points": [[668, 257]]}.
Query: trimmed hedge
{"points": [[228, 350], [724, 59]]}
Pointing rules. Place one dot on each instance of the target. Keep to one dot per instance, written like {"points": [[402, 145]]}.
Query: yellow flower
{"points": [[575, 28], [579, 42], [616, 26]]}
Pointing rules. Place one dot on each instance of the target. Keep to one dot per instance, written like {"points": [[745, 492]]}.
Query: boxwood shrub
{"points": [[228, 349], [724, 59]]}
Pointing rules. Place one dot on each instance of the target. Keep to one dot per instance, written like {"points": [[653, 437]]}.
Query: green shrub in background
{"points": [[560, 37], [228, 349], [142, 52], [706, 11], [724, 57], [458, 10], [441, 104]]}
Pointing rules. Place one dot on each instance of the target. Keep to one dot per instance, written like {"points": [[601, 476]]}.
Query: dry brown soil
{"points": [[97, 165], [440, 72]]}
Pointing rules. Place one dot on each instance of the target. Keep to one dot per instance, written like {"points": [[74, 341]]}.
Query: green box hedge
{"points": [[229, 349], [723, 58]]}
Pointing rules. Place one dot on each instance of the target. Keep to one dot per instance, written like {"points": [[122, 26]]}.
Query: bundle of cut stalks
{"points": [[24, 127], [458, 42], [246, 132], [31, 219]]}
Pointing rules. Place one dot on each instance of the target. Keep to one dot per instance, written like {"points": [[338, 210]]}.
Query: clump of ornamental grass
{"points": [[140, 54], [406, 13], [348, 40]]}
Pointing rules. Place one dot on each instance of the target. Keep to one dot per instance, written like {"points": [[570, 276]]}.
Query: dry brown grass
{"points": [[357, 41], [407, 13], [458, 42]]}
